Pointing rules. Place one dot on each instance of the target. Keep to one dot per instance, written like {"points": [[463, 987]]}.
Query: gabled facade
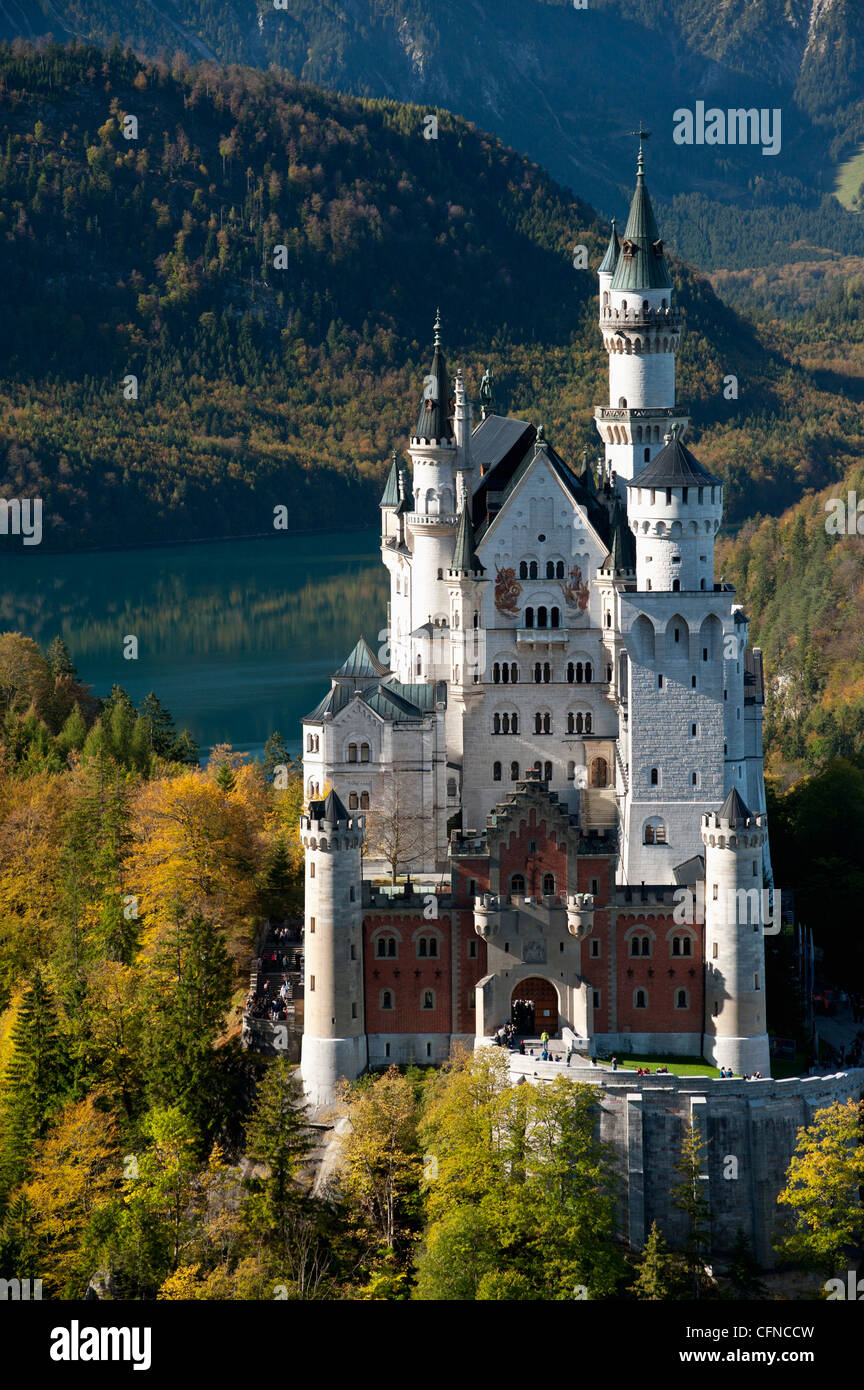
{"points": [[566, 698]]}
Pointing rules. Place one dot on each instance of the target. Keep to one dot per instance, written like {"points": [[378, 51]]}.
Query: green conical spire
{"points": [[610, 260], [641, 263], [390, 495]]}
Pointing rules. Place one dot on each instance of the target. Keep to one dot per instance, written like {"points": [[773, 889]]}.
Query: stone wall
{"points": [[751, 1128]]}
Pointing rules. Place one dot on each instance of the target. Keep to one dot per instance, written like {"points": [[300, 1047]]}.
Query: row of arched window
{"points": [[387, 947], [364, 751], [507, 723], [542, 617], [578, 722], [654, 832], [578, 672], [542, 769], [528, 569], [358, 801], [517, 885], [680, 996], [312, 743], [682, 945], [387, 999]]}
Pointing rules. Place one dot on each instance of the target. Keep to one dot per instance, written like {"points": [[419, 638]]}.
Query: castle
{"points": [[561, 741]]}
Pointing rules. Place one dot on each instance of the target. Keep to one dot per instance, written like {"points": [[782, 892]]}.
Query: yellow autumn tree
{"points": [[31, 814], [76, 1167], [198, 847]]}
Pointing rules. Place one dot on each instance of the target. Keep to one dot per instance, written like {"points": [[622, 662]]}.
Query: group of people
{"points": [[522, 1020], [646, 1071], [269, 1002]]}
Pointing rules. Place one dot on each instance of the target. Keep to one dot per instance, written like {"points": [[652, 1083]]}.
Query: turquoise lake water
{"points": [[237, 638]]}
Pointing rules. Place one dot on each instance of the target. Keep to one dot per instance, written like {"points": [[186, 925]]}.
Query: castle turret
{"points": [[334, 1042], [736, 1033], [674, 507], [641, 332]]}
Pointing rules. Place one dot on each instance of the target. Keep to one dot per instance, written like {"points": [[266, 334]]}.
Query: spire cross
{"points": [[437, 328], [643, 135]]}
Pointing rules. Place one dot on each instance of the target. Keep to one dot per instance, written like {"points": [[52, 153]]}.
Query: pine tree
{"points": [[74, 731], [276, 755], [225, 777], [160, 726], [60, 661], [186, 750], [744, 1270], [278, 1135], [34, 1081], [187, 994], [689, 1196], [660, 1272]]}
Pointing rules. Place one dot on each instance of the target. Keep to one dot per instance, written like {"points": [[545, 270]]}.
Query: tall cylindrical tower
{"points": [[641, 333], [674, 507], [334, 1040], [736, 1033]]}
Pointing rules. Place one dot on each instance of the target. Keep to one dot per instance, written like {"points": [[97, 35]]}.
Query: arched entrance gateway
{"points": [[534, 1007]]}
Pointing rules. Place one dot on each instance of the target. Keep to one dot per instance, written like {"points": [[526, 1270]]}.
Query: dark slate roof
{"points": [[641, 263], [610, 260], [497, 446], [691, 871], [390, 495], [434, 420], [330, 809], [464, 554], [362, 663], [734, 808], [391, 699], [591, 505], [674, 466], [622, 549]]}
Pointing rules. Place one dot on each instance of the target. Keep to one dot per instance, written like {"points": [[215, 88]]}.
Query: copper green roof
{"points": [[641, 263], [610, 260], [390, 495], [433, 421], [361, 664]]}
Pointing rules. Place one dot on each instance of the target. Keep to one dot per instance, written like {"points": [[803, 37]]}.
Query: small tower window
{"points": [[496, 772], [639, 999], [548, 884], [514, 772]]}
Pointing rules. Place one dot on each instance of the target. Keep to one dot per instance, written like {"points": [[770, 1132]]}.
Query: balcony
{"points": [[542, 637]]}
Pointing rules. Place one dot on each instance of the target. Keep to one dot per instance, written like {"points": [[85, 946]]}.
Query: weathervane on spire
{"points": [[643, 135], [437, 328]]}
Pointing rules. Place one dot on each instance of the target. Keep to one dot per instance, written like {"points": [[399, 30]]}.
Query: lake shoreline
{"points": [[31, 552]]}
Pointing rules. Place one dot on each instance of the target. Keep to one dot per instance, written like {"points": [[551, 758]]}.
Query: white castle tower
{"points": [[334, 1042], [735, 1018], [641, 330]]}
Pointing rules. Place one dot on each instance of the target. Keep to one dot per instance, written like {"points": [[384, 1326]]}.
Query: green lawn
{"points": [[678, 1066], [850, 177]]}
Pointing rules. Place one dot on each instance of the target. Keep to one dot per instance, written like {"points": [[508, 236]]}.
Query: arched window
{"points": [[571, 672], [655, 777], [559, 570], [317, 749], [496, 673], [532, 570], [542, 616], [556, 617], [353, 801], [352, 752], [588, 723], [428, 999], [570, 726], [514, 772], [364, 801], [676, 586], [386, 999], [654, 832], [523, 569], [419, 665], [517, 883], [386, 946], [505, 723], [550, 569], [529, 617], [496, 772], [547, 723], [588, 673], [547, 772], [365, 752], [514, 673], [599, 772], [496, 724], [680, 999], [640, 1000], [548, 884], [476, 620]]}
